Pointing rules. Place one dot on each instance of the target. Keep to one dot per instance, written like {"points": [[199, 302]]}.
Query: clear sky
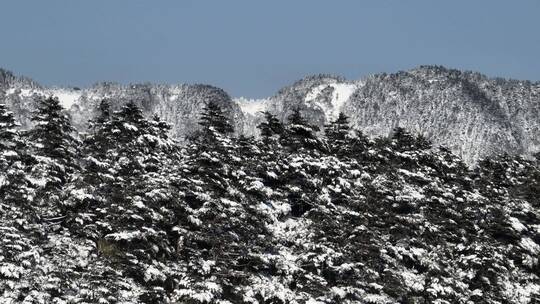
{"points": [[252, 48]]}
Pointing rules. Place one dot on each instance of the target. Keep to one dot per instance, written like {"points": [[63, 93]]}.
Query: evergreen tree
{"points": [[338, 135], [159, 127], [104, 110], [405, 141], [214, 123], [214, 150], [14, 188], [537, 157], [299, 134], [422, 143], [129, 169], [213, 146], [96, 140], [53, 139], [8, 132], [125, 141], [246, 148], [127, 124], [271, 128]]}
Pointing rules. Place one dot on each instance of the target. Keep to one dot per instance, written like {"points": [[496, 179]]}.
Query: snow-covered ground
{"points": [[340, 94], [67, 97], [252, 106]]}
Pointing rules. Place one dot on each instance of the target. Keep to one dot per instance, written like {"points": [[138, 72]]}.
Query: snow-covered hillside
{"points": [[470, 113], [339, 95], [252, 106]]}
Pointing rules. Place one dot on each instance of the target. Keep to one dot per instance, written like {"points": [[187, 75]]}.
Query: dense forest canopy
{"points": [[124, 214]]}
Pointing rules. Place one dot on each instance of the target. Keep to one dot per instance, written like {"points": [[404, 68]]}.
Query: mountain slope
{"points": [[176, 104], [472, 114]]}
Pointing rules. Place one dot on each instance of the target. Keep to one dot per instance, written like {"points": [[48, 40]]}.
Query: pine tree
{"points": [[104, 115], [213, 146], [403, 139], [127, 124], [299, 134], [128, 170], [214, 121], [270, 128], [125, 141], [246, 147], [338, 135], [159, 127], [8, 131], [14, 187], [53, 139], [95, 139], [422, 143]]}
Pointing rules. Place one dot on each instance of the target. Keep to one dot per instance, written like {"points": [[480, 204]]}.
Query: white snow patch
{"points": [[414, 281], [516, 224], [529, 245], [9, 154], [23, 92], [175, 93], [340, 292], [314, 93], [206, 266], [66, 97], [154, 274], [27, 92], [341, 93], [124, 235], [9, 270], [252, 106]]}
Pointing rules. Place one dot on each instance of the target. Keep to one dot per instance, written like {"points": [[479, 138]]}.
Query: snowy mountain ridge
{"points": [[472, 114]]}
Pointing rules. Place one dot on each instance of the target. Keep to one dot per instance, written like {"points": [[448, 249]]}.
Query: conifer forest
{"points": [[123, 213]]}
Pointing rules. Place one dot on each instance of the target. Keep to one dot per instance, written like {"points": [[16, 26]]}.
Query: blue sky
{"points": [[252, 48]]}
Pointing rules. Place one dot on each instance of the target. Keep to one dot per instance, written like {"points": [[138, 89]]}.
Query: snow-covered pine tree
{"points": [[104, 115], [338, 135], [214, 147], [121, 148], [129, 165], [246, 147], [8, 131], [271, 128], [299, 134], [95, 140], [18, 230], [405, 141], [53, 143], [215, 129], [14, 187], [213, 119]]}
